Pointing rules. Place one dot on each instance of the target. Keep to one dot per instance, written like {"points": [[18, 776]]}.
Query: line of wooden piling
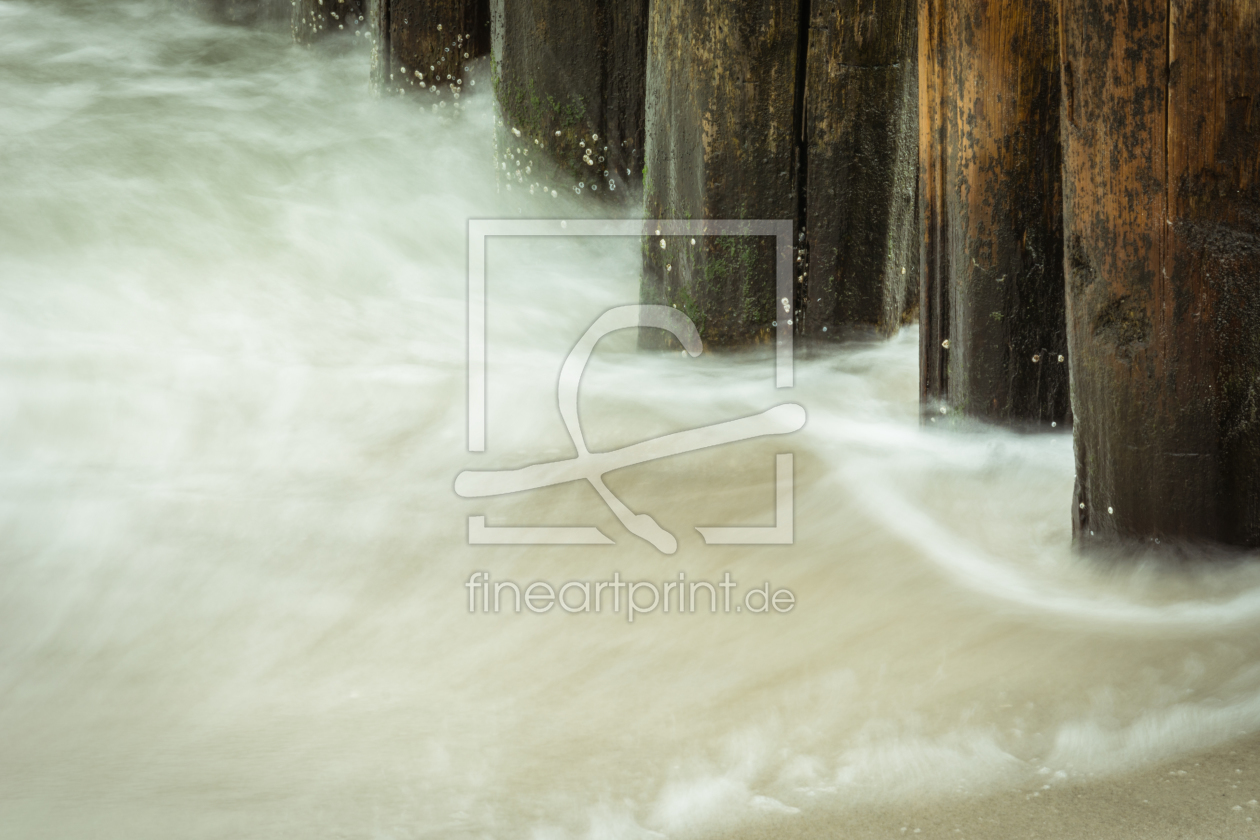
{"points": [[1068, 199]]}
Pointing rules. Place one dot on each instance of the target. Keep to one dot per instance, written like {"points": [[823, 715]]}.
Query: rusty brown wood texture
{"points": [[992, 322], [860, 265], [722, 131], [570, 79], [1162, 216], [312, 19], [422, 46]]}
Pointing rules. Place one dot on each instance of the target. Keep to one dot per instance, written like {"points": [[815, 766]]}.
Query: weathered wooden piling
{"points": [[570, 79], [423, 46], [992, 322], [1162, 217], [723, 122], [860, 263], [794, 109], [312, 19]]}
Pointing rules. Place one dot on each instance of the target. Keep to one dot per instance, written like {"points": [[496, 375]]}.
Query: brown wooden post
{"points": [[312, 19], [992, 323], [723, 118], [570, 78], [861, 259], [422, 46], [1162, 217]]}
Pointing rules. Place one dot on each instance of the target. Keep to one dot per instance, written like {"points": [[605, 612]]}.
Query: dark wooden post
{"points": [[1162, 214], [861, 258], [422, 45], [992, 322], [723, 119], [312, 19], [570, 77]]}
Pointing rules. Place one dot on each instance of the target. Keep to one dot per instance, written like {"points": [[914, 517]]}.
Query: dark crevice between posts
{"points": [[935, 232], [800, 265], [569, 79], [993, 323], [1162, 219], [424, 47]]}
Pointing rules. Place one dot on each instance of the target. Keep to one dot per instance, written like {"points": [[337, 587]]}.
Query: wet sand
{"points": [[1213, 794]]}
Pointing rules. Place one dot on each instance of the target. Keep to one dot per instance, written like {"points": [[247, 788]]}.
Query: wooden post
{"points": [[1162, 216], [992, 322], [570, 77], [861, 258], [793, 109], [723, 117], [422, 46], [312, 19]]}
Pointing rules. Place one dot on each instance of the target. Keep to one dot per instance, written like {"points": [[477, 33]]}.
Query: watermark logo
{"points": [[593, 466], [641, 596]]}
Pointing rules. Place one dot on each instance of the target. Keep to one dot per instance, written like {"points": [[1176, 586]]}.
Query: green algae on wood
{"points": [[722, 111], [569, 77]]}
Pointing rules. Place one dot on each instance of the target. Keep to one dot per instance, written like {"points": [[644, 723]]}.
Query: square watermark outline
{"points": [[480, 230]]}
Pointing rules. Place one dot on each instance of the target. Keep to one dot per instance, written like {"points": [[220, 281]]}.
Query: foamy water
{"points": [[232, 592]]}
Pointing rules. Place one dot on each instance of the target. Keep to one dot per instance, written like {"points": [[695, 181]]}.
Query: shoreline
{"points": [[1203, 795]]}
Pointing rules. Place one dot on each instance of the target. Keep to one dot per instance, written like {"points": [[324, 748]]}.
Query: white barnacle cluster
{"points": [[591, 157], [517, 159], [316, 21], [665, 245], [454, 73], [802, 278]]}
